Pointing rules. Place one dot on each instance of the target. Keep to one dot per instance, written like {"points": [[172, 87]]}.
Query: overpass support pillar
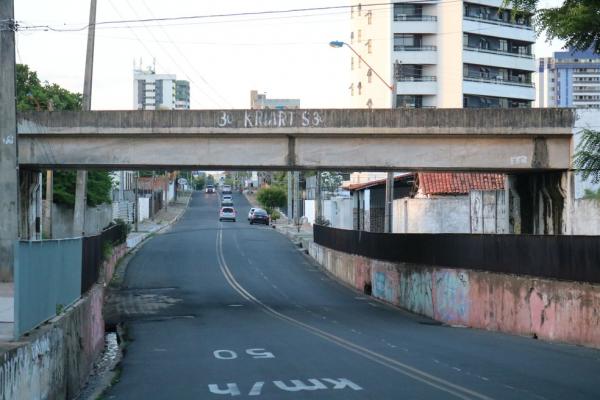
{"points": [[9, 175], [389, 203]]}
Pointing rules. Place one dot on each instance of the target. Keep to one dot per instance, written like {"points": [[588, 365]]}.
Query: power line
{"points": [[238, 14], [175, 62], [186, 58]]}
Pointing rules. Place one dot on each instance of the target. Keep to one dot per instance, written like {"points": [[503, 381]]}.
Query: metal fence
{"points": [[47, 279], [573, 258], [93, 253]]}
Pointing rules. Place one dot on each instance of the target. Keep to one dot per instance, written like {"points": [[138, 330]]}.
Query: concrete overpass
{"points": [[351, 139]]}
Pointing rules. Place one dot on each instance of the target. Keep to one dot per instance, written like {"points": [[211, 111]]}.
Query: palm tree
{"points": [[587, 156]]}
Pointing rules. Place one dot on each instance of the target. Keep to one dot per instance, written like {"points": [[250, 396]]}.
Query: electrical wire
{"points": [[238, 14]]}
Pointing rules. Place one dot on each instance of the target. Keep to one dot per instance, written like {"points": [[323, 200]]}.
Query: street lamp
{"points": [[389, 184]]}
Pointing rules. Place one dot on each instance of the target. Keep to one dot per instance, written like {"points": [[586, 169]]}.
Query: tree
{"points": [[331, 181], [577, 22], [33, 95], [590, 194], [271, 197], [587, 156]]}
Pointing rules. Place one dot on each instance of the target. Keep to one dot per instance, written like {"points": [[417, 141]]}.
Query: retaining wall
{"points": [[549, 309], [56, 359]]}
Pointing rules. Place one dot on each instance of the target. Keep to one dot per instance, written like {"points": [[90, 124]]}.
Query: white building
{"points": [[259, 101], [441, 54], [152, 91]]}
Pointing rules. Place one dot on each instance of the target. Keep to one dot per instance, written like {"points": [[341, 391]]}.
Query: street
{"points": [[220, 309]]}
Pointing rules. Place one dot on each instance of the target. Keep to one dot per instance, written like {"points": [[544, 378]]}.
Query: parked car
{"points": [[259, 216], [251, 212], [227, 214], [226, 203], [209, 189]]}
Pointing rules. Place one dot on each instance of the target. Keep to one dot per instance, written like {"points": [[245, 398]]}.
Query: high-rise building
{"points": [[182, 95], [259, 101], [447, 54], [152, 91], [568, 79]]}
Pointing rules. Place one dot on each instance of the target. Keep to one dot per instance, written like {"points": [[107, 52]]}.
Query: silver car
{"points": [[227, 214]]}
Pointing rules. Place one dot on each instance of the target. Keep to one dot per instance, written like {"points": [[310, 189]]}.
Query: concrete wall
{"points": [[143, 208], [55, 361], [586, 217], [96, 219], [552, 310], [448, 214], [479, 212]]}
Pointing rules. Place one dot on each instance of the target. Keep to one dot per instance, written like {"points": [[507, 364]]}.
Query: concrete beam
{"points": [[434, 139]]}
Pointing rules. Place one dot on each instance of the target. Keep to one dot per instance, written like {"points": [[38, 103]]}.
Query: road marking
{"points": [[294, 385], [405, 369]]}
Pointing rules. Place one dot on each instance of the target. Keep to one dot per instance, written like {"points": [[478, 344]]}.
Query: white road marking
{"points": [[403, 368]]}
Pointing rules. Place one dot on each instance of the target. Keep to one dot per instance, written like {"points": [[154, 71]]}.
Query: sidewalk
{"points": [[146, 228], [160, 221]]}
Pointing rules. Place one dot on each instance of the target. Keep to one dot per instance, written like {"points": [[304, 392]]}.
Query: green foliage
{"points": [[210, 180], [271, 197], [99, 185], [590, 194], [587, 156], [330, 181], [199, 182], [577, 22], [275, 215], [322, 221], [35, 95]]}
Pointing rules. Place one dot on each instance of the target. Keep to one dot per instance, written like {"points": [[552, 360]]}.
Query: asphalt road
{"points": [[223, 309]]}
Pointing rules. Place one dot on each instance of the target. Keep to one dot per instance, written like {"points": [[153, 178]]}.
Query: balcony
{"points": [[416, 55], [423, 85], [497, 58], [414, 24], [477, 26], [498, 81], [498, 88]]}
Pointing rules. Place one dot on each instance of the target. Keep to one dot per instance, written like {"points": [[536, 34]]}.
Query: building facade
{"points": [[259, 101], [152, 91], [569, 79], [441, 54]]}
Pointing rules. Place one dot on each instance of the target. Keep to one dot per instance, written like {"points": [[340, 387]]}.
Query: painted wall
{"points": [[552, 310], [56, 360], [448, 214], [96, 219], [586, 217], [144, 208]]}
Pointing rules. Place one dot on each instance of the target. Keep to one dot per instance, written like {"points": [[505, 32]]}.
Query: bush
{"points": [[275, 215], [322, 221], [271, 197]]}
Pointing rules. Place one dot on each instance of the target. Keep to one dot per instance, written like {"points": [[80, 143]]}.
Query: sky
{"points": [[286, 56]]}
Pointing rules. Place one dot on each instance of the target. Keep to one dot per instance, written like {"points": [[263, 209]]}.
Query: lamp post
{"points": [[389, 183]]}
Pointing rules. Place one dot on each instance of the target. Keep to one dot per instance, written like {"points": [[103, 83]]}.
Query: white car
{"points": [[227, 197], [250, 213], [227, 214]]}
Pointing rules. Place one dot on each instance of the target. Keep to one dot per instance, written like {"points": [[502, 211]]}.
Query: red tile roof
{"points": [[458, 182]]}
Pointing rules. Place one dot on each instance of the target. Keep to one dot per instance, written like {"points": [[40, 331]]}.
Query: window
{"points": [[369, 46], [369, 17], [409, 101], [403, 40], [359, 9], [369, 75], [351, 89], [359, 63], [351, 37], [351, 63], [359, 36], [359, 87], [503, 45]]}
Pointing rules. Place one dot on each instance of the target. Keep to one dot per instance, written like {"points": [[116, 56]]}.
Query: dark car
{"points": [[259, 217]]}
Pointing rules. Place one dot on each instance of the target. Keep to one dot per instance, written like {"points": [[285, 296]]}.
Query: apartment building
{"points": [[568, 79], [152, 91], [441, 54], [259, 101]]}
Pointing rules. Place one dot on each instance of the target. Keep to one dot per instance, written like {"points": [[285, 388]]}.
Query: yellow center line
{"points": [[405, 369]]}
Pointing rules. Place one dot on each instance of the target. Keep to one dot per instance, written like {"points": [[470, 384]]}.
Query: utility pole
{"points": [[81, 182], [296, 205], [389, 202], [318, 203], [47, 225], [137, 201], [9, 167], [290, 197]]}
